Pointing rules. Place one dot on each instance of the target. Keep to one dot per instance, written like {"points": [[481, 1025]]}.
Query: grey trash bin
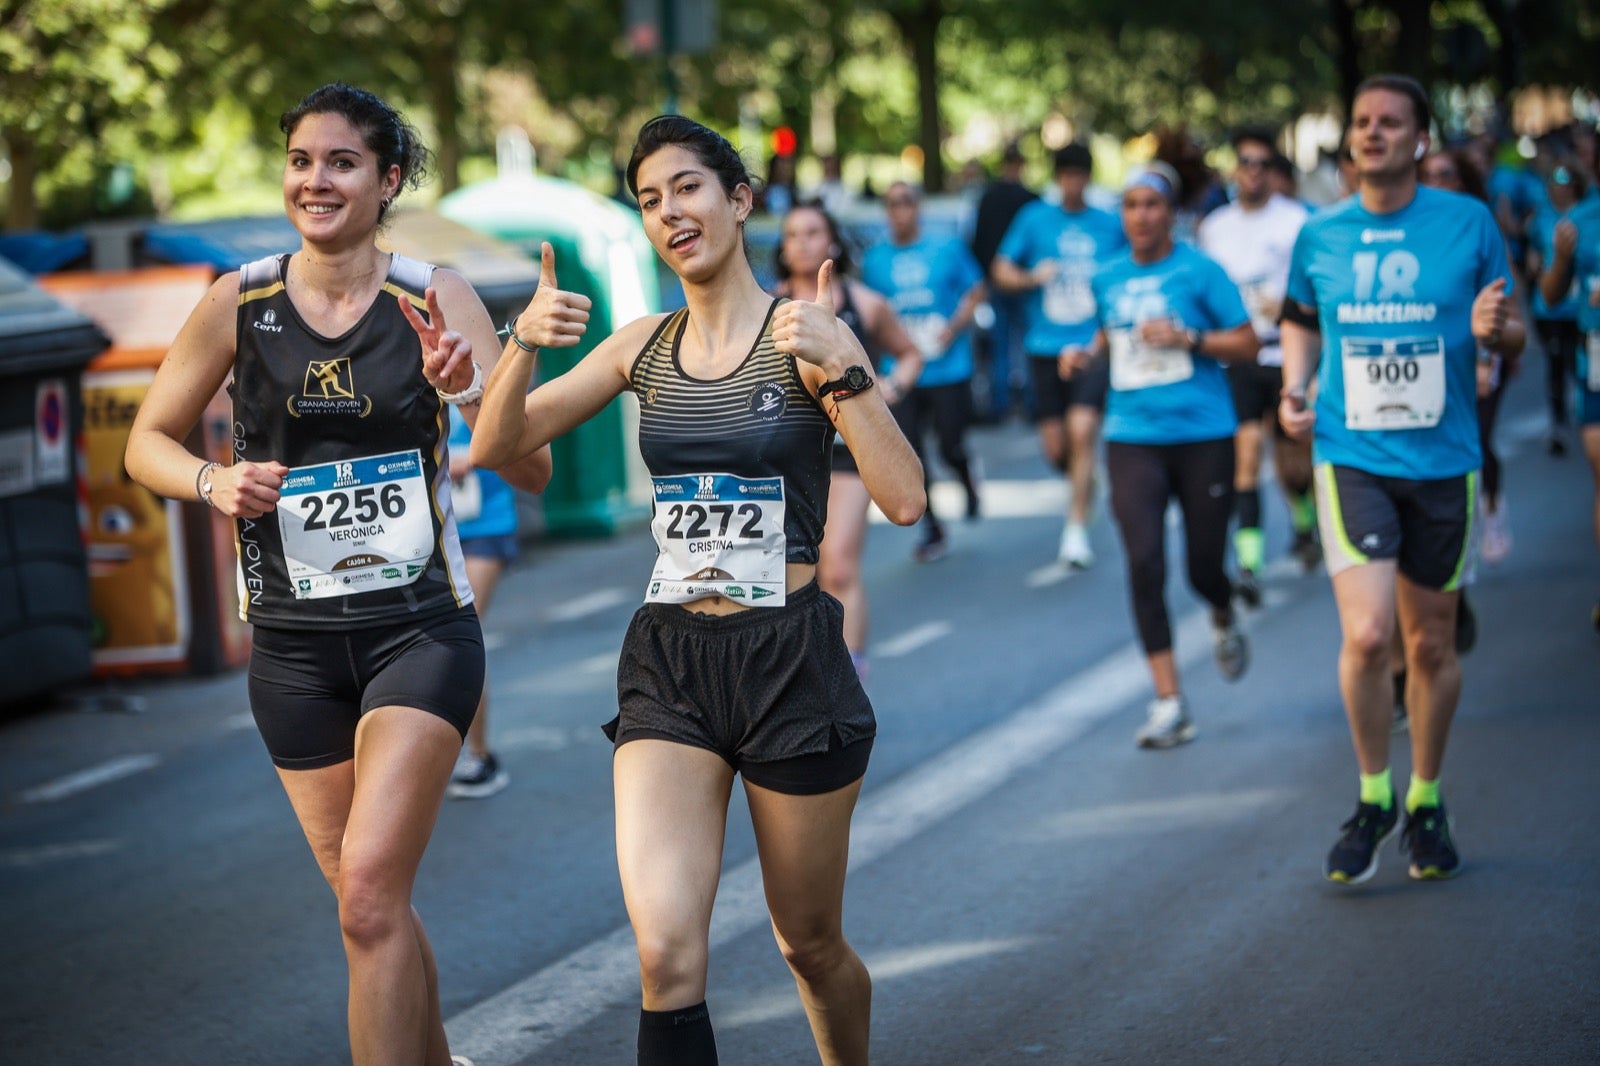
{"points": [[45, 624]]}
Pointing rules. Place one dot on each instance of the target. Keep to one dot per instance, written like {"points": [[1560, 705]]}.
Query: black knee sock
{"points": [[680, 1037], [1247, 505]]}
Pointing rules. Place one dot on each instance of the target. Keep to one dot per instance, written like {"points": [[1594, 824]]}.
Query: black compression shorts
{"points": [[309, 688]]}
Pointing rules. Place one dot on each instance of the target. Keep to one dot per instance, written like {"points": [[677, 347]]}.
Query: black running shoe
{"points": [[1427, 838], [932, 548], [1307, 549], [1354, 857], [1247, 589], [1466, 626]]}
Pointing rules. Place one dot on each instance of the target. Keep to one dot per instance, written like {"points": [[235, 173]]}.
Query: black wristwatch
{"points": [[856, 379]]}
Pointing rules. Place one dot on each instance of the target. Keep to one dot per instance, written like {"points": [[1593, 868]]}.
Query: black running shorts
{"points": [[1256, 391], [770, 689], [1052, 394], [1425, 526], [309, 688]]}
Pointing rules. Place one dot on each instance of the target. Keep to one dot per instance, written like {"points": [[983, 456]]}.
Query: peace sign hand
{"points": [[553, 318], [446, 354], [810, 331]]}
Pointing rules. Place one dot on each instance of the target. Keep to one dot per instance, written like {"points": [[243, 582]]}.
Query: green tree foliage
{"points": [[88, 86]]}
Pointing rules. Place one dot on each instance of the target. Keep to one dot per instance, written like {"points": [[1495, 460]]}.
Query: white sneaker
{"points": [[476, 776], [1232, 651], [1496, 543], [1167, 724], [1075, 550]]}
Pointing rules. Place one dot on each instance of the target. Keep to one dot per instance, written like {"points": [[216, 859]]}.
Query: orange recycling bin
{"points": [[162, 583]]}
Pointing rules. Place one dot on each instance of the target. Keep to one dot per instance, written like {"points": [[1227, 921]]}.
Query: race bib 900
{"points": [[355, 525], [1395, 383]]}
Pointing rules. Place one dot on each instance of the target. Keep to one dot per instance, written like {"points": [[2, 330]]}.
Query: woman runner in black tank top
{"points": [[349, 562], [811, 235], [713, 680]]}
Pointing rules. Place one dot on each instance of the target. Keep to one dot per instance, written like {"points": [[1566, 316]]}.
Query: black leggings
{"points": [[948, 408], [1143, 478], [1560, 339], [1488, 414]]}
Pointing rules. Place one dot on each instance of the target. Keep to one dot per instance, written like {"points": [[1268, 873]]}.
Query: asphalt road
{"points": [[1027, 887]]}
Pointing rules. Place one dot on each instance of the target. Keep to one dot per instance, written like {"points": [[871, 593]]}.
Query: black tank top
{"points": [[357, 409], [758, 421]]}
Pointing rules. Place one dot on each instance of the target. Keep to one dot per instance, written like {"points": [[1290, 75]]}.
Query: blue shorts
{"points": [[1588, 406], [501, 546]]}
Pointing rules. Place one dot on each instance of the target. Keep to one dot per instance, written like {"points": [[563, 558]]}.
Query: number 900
{"points": [[1391, 371]]}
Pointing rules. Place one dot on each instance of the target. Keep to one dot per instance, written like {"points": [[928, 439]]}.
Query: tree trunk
{"points": [[1348, 60], [444, 99], [1414, 47], [22, 210], [1508, 68], [920, 28]]}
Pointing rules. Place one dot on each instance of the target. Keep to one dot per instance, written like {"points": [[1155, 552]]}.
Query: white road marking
{"points": [[595, 602], [1044, 497], [912, 639], [26, 858], [543, 1008], [780, 1001], [83, 780], [585, 675], [1052, 573], [535, 738]]}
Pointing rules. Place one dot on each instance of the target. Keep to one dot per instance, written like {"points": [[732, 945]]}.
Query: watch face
{"points": [[856, 377]]}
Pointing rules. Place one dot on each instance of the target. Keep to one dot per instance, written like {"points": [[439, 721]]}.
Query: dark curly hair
{"points": [[708, 146], [384, 130]]}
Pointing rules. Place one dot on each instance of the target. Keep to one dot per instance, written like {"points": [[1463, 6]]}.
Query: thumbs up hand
{"points": [[810, 331], [1489, 312], [554, 318]]}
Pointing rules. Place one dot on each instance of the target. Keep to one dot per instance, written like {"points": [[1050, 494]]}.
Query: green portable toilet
{"points": [[602, 252]]}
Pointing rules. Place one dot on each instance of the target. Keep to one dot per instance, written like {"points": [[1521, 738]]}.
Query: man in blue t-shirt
{"points": [[1050, 253], [1397, 292], [1575, 264], [935, 285]]}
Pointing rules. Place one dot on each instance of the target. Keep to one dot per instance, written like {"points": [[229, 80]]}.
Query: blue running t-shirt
{"points": [[1542, 236], [485, 505], [924, 281], [1166, 396], [1397, 386], [1586, 280], [1061, 313]]}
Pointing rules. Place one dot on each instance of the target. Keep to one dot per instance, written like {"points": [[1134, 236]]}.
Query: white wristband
{"points": [[471, 394]]}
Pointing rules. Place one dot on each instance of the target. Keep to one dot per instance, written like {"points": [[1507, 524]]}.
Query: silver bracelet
{"points": [[203, 486], [511, 331]]}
